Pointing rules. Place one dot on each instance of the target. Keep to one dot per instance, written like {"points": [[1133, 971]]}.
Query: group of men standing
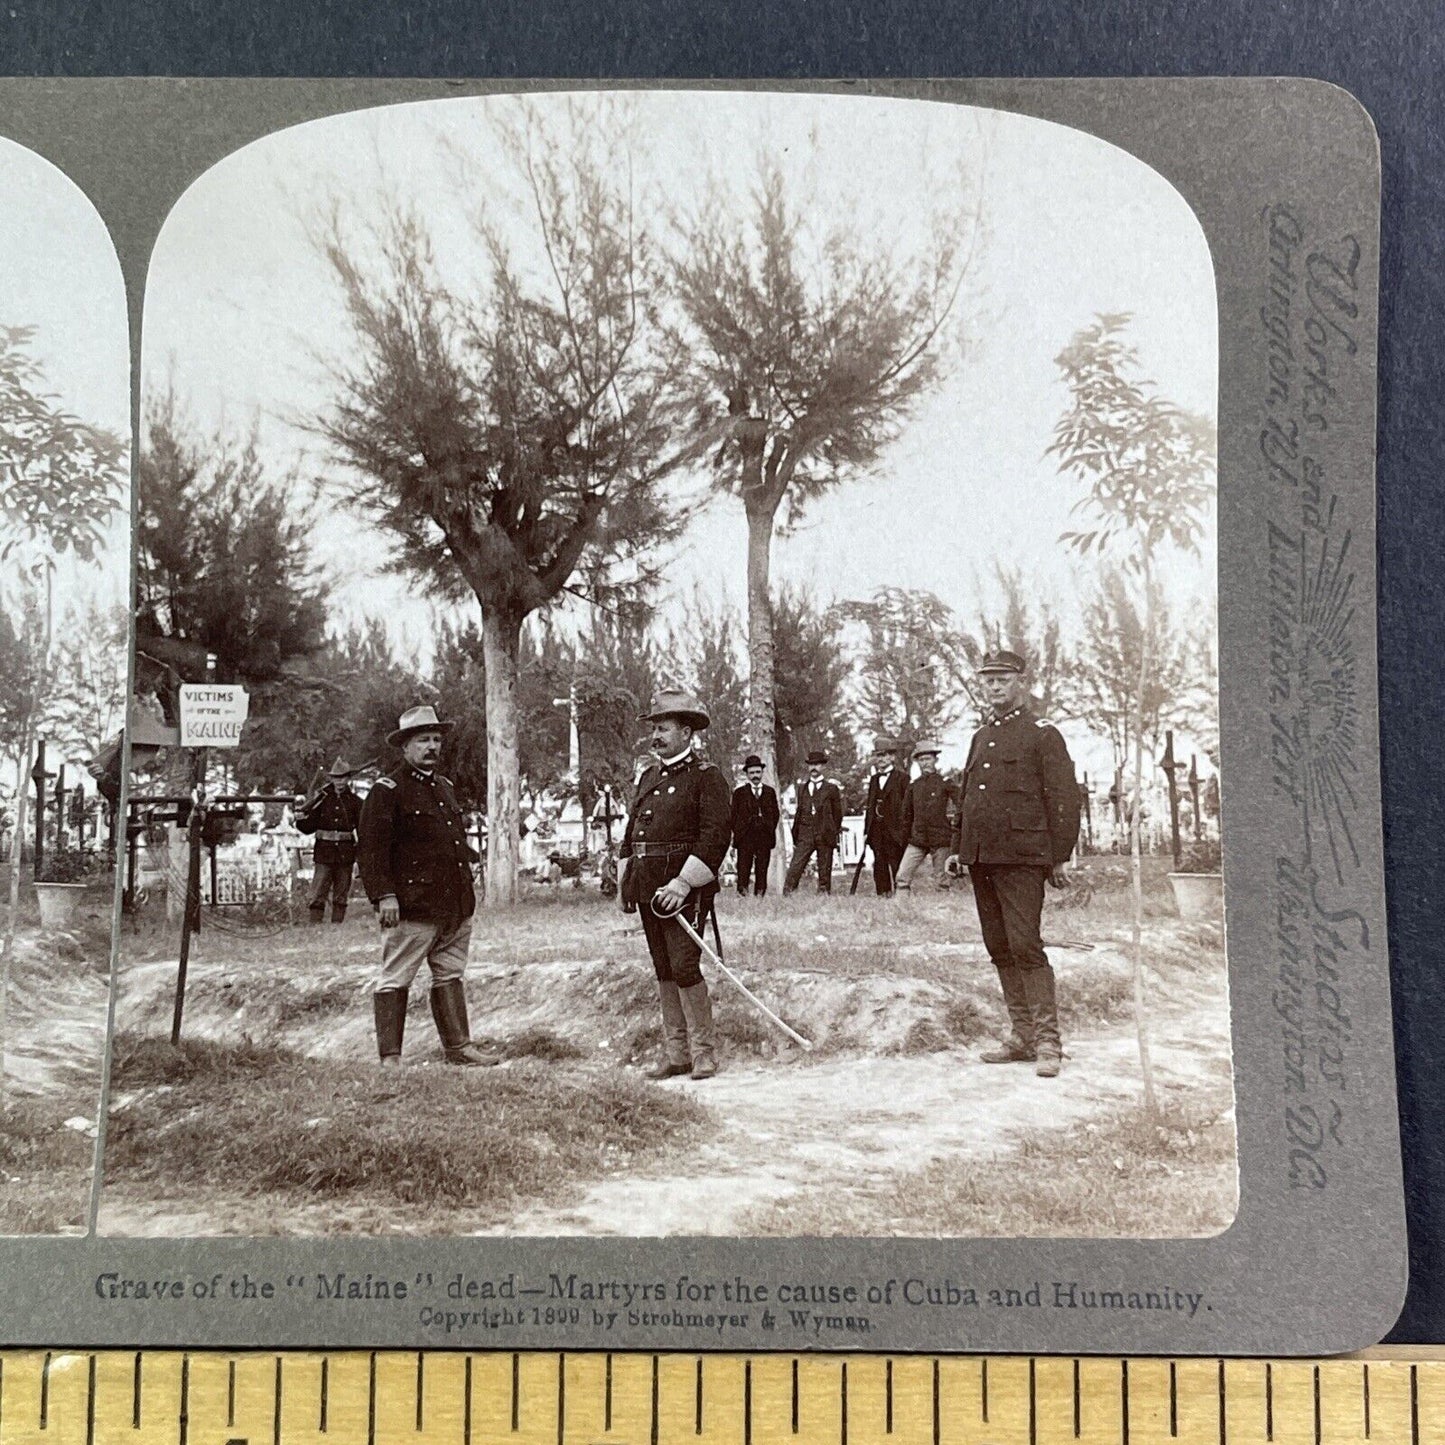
{"points": [[1013, 823]]}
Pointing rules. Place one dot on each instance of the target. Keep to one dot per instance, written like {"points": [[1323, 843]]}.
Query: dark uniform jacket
{"points": [[754, 819], [1020, 801], [332, 811], [819, 817], [678, 812], [414, 845], [884, 810], [925, 813]]}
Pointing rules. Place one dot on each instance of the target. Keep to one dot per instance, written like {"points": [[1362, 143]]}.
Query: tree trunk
{"points": [[12, 914], [501, 641], [1136, 865], [762, 709]]}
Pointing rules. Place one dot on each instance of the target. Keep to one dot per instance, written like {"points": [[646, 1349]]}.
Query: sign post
{"points": [[213, 715]]}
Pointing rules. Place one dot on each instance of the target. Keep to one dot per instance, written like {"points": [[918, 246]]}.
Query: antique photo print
{"points": [[676, 643], [64, 562]]}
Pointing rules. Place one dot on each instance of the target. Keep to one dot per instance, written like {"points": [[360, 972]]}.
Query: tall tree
{"points": [[86, 706], [1148, 468], [810, 683], [810, 349], [1024, 622], [62, 482], [909, 658], [703, 649], [508, 430]]}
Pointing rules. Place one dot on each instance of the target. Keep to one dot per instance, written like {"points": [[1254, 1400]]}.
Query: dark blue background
{"points": [[1392, 56]]}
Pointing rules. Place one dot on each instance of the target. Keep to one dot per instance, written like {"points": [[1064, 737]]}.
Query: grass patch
{"points": [[253, 1120], [1123, 1177], [44, 1168]]}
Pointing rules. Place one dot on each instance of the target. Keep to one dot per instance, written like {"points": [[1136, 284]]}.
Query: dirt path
{"points": [[58, 1006], [844, 1126]]}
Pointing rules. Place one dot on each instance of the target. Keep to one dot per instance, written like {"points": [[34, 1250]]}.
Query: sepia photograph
{"points": [[675, 684], [64, 575]]}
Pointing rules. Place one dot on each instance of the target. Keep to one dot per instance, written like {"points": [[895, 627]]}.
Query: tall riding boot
{"points": [[389, 1006], [1019, 1046], [449, 1009], [338, 913], [697, 1009], [677, 1060], [317, 912], [1039, 990]]}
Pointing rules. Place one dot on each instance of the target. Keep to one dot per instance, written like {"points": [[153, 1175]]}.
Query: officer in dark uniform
{"points": [[331, 816], [817, 824], [755, 827], [926, 826], [677, 836], [416, 869], [883, 816], [1017, 827]]}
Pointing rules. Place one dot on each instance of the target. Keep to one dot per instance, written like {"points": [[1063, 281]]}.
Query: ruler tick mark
{"points": [[371, 1400], [843, 1404], [1033, 1404], [420, 1384], [467, 1402], [1317, 1405], [983, 1388], [1366, 1388], [45, 1393], [561, 1397], [1173, 1402], [516, 1387], [747, 1402], [653, 1435], [1078, 1403], [135, 1393], [1414, 1405], [185, 1421], [1124, 1401], [90, 1403], [1223, 1413], [230, 1394], [937, 1414], [888, 1398], [325, 1387], [1268, 1401], [607, 1398], [697, 1411], [276, 1407]]}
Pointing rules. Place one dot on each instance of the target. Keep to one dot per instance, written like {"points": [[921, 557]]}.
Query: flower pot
{"points": [[59, 903], [1199, 897]]}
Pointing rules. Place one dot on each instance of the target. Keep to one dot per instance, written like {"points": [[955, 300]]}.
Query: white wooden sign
{"points": [[213, 714]]}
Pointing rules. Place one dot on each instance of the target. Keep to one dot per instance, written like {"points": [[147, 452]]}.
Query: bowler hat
{"points": [[884, 745], [752, 761], [818, 756], [340, 769], [1002, 661], [417, 720], [925, 748], [681, 705]]}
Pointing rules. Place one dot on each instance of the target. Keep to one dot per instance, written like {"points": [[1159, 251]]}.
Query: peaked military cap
{"points": [[681, 705], [417, 720], [818, 756], [752, 761], [1002, 661]]}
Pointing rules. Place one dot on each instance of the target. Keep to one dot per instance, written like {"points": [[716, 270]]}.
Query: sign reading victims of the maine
{"points": [[1309, 320], [213, 715]]}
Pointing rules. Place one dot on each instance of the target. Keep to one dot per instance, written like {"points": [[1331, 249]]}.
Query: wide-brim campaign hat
{"points": [[681, 705], [927, 748], [1002, 661], [341, 769], [752, 761], [818, 756], [417, 720]]}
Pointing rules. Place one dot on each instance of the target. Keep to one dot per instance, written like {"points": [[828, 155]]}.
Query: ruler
{"points": [[498, 1398]]}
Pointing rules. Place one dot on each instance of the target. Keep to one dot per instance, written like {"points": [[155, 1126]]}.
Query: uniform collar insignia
{"points": [[1007, 717]]}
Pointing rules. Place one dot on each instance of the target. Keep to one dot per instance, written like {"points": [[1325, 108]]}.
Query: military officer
{"points": [[416, 869], [677, 836], [331, 816], [755, 827], [883, 816], [1017, 826], [926, 827], [817, 824]]}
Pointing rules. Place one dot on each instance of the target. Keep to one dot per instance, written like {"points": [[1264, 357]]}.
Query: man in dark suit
{"points": [[926, 826], [883, 829], [755, 827], [676, 839], [817, 824], [1018, 822]]}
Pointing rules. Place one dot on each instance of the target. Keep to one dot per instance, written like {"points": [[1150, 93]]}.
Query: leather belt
{"points": [[330, 835], [659, 850]]}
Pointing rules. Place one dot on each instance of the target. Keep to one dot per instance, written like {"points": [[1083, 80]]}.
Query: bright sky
{"points": [[240, 310], [59, 274]]}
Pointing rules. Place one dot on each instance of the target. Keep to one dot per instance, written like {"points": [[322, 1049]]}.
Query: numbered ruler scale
{"points": [[399, 1398]]}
